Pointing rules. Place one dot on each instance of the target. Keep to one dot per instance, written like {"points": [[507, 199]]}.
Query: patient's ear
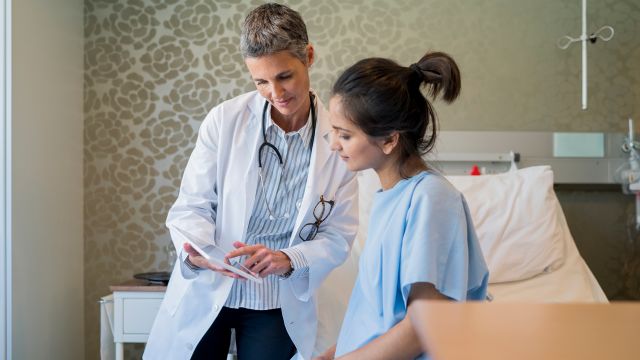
{"points": [[389, 143]]}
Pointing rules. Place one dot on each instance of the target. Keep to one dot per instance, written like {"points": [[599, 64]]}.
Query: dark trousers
{"points": [[260, 334]]}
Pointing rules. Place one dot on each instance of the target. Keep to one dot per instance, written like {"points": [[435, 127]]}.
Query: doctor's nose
{"points": [[277, 91]]}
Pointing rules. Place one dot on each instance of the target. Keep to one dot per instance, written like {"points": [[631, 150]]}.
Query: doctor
{"points": [[262, 184]]}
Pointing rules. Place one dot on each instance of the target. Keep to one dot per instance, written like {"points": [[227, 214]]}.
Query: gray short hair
{"points": [[271, 28]]}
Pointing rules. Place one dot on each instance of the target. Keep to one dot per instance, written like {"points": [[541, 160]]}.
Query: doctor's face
{"points": [[283, 80], [358, 150]]}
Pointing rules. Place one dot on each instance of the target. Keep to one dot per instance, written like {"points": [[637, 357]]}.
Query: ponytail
{"points": [[440, 73]]}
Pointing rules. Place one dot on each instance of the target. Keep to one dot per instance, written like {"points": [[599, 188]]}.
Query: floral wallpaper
{"points": [[153, 68]]}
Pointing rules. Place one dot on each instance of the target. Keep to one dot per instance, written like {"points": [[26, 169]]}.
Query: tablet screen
{"points": [[215, 255]]}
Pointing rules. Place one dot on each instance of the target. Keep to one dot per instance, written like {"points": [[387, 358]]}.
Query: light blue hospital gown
{"points": [[419, 231]]}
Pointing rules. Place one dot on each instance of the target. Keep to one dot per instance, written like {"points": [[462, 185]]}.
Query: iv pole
{"points": [[583, 39], [565, 41]]}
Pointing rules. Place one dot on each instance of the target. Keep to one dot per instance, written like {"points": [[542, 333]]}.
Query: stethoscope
{"points": [[266, 144]]}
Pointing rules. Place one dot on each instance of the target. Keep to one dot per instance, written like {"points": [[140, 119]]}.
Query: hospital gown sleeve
{"points": [[440, 246]]}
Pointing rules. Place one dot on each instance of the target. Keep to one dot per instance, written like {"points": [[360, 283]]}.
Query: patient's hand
{"points": [[329, 354], [323, 357]]}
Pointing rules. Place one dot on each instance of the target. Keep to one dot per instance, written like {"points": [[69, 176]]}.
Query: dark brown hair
{"points": [[381, 97]]}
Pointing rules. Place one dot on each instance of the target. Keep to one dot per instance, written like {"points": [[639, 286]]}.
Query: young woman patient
{"points": [[421, 242]]}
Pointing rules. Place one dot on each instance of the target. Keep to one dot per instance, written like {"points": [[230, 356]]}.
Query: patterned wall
{"points": [[154, 67]]}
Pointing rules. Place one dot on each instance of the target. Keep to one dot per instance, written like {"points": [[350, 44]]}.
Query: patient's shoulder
{"points": [[436, 187], [434, 193]]}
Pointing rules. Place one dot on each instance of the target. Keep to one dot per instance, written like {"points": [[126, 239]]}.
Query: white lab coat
{"points": [[217, 196]]}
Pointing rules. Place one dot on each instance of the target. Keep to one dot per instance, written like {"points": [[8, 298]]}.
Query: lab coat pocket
{"points": [[175, 292]]}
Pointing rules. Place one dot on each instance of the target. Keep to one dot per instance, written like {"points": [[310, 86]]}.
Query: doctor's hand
{"points": [[261, 260], [199, 261]]}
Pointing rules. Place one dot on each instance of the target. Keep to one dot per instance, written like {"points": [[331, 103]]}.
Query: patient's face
{"points": [[356, 149]]}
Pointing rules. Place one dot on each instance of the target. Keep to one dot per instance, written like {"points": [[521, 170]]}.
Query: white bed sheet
{"points": [[571, 282]]}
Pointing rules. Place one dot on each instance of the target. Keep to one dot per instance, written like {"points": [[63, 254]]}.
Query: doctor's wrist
{"points": [[187, 262], [287, 273], [299, 265]]}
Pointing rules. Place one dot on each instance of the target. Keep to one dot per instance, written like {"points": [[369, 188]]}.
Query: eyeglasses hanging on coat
{"points": [[267, 147], [321, 212]]}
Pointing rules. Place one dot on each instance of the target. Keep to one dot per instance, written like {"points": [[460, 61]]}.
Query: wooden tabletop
{"points": [[137, 285], [508, 331]]}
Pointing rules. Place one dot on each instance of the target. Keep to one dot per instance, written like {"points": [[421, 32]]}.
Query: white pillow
{"points": [[518, 221]]}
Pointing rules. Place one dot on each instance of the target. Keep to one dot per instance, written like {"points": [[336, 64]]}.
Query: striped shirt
{"points": [[283, 191]]}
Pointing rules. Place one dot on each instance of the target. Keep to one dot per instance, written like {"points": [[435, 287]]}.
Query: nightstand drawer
{"points": [[138, 315], [134, 313]]}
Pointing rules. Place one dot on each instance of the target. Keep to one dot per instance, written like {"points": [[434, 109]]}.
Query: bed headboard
{"points": [[576, 158]]}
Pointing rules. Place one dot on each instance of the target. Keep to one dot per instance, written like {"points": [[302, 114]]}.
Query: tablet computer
{"points": [[215, 255]]}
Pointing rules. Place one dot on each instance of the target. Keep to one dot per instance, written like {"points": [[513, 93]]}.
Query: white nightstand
{"points": [[135, 306], [129, 312]]}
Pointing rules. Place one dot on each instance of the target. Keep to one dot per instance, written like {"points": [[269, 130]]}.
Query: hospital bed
{"points": [[529, 250]]}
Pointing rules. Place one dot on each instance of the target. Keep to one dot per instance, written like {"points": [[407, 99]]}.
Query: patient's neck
{"points": [[390, 172]]}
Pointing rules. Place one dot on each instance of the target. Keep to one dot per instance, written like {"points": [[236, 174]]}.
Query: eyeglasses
{"points": [[321, 212]]}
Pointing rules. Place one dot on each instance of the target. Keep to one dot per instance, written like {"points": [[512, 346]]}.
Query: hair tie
{"points": [[416, 69]]}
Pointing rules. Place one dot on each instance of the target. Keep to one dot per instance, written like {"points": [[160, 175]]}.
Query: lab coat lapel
{"points": [[317, 179], [248, 174]]}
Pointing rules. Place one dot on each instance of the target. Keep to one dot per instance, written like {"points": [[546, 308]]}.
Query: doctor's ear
{"points": [[389, 143], [310, 55]]}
